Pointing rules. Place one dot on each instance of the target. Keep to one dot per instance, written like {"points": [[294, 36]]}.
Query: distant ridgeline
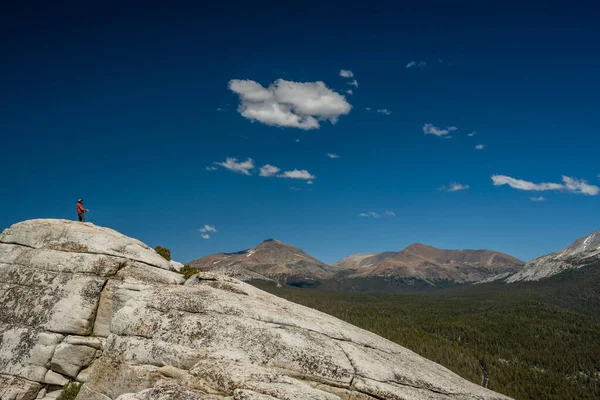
{"points": [[417, 267]]}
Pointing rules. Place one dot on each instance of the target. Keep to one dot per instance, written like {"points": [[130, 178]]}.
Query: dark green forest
{"points": [[538, 340]]}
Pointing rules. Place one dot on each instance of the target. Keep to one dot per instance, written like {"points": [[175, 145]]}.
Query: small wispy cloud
{"points": [[415, 64], [368, 109], [454, 187], [297, 140], [294, 189], [269, 170], [220, 109], [349, 91], [205, 236], [208, 228], [480, 146], [211, 168], [572, 185], [309, 182], [346, 73], [354, 83], [370, 215], [332, 155], [297, 174], [429, 129], [541, 198], [373, 214], [384, 111], [232, 164], [472, 134]]}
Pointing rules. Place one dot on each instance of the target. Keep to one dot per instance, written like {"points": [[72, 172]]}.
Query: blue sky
{"points": [[127, 106]]}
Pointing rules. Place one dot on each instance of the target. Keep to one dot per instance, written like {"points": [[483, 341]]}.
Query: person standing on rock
{"points": [[81, 211]]}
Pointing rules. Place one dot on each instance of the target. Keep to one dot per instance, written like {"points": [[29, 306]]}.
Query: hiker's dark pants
{"points": [[81, 217]]}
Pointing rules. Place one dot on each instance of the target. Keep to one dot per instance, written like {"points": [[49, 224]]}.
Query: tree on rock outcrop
{"points": [[164, 252]]}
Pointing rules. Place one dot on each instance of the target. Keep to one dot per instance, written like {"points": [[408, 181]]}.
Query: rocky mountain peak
{"points": [[582, 252], [419, 248], [273, 244], [85, 303], [269, 260], [588, 243]]}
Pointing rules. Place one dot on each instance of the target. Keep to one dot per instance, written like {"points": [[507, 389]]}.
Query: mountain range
{"points": [[416, 266], [420, 261]]}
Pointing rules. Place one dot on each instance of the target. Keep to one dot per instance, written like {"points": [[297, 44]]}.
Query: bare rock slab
{"points": [[88, 303]]}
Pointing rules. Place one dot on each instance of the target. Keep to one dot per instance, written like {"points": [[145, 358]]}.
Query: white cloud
{"points": [[349, 91], [289, 104], [454, 187], [353, 83], [414, 64], [232, 164], [569, 184], [294, 189], [208, 228], [309, 182], [541, 198], [297, 174], [212, 168], [220, 109], [480, 147], [346, 73], [370, 215], [390, 213], [500, 180], [269, 170], [384, 111], [207, 236], [472, 134], [368, 109], [297, 140], [580, 186], [332, 155], [429, 129]]}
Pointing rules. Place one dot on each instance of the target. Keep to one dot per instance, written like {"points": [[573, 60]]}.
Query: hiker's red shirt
{"points": [[80, 208]]}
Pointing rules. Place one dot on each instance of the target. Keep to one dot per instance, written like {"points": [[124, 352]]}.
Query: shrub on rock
{"points": [[164, 252], [70, 391], [187, 271]]}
